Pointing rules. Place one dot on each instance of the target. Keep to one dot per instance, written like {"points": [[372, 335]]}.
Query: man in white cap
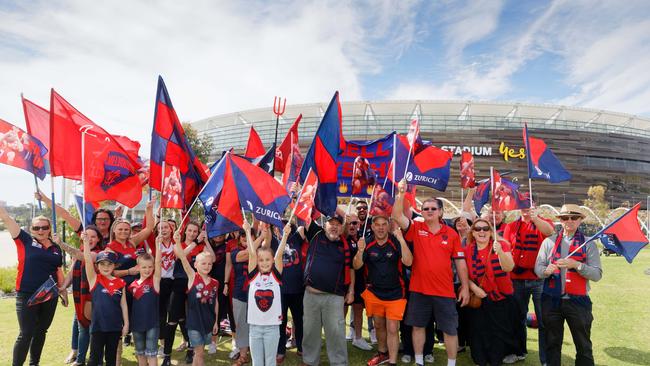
{"points": [[567, 266]]}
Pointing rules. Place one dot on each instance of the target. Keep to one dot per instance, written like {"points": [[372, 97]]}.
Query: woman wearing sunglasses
{"points": [[492, 324], [567, 266], [38, 259]]}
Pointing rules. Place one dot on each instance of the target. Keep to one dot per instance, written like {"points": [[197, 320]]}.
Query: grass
{"points": [[619, 332], [8, 279]]}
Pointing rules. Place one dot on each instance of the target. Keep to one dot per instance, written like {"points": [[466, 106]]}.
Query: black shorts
{"points": [[421, 307]]}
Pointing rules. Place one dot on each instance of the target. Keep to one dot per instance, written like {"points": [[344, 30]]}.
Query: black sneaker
{"points": [[167, 361], [189, 356]]}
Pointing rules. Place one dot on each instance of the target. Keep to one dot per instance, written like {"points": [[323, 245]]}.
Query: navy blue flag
{"points": [[624, 235]]}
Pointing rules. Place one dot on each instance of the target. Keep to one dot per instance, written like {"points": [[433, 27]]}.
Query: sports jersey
{"points": [[328, 262], [292, 271], [264, 298], [384, 269], [167, 260], [144, 310], [240, 287], [35, 262], [485, 270], [201, 299], [432, 256], [526, 239], [126, 258], [107, 312]]}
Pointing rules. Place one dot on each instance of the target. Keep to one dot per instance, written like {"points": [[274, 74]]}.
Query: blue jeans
{"points": [[524, 290], [263, 342], [146, 343], [80, 340]]}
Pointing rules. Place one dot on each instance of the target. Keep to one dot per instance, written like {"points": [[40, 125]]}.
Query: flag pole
{"points": [[83, 178], [53, 205], [293, 211], [392, 188], [372, 197], [530, 184], [494, 214], [162, 188], [530, 191], [199, 194], [40, 204]]}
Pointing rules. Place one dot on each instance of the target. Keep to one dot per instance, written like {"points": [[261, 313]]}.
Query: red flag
{"points": [[506, 195], [285, 148], [293, 166], [467, 178], [110, 174], [305, 204], [413, 135], [66, 126], [37, 120], [255, 147]]}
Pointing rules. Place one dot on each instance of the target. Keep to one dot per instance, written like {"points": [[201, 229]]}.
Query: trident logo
{"points": [[278, 106]]}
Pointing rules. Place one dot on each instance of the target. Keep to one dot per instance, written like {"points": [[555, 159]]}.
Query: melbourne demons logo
{"points": [[116, 169], [264, 299]]}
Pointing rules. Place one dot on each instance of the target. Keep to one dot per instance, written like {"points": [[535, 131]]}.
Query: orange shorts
{"points": [[389, 309]]}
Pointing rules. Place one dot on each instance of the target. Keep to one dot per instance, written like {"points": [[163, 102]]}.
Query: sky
{"points": [[219, 57]]}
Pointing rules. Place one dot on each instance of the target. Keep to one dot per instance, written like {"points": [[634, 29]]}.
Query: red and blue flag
{"points": [[20, 150], [45, 293], [170, 145], [238, 185], [624, 235], [431, 168], [91, 207], [293, 164], [286, 147], [266, 160], [481, 195], [363, 176], [506, 195], [467, 177], [322, 157], [542, 163], [37, 120]]}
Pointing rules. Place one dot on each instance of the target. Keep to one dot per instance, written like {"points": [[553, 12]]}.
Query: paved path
{"points": [[7, 250]]}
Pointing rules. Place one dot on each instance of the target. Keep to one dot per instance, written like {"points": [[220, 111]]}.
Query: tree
{"points": [[201, 145], [596, 201]]}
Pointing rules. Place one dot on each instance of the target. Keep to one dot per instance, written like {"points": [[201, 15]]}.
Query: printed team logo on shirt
{"points": [[423, 233], [37, 245], [264, 299], [290, 258], [140, 291], [389, 255], [444, 240]]}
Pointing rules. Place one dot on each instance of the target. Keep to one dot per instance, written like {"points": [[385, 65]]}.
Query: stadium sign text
{"points": [[475, 150], [508, 152]]}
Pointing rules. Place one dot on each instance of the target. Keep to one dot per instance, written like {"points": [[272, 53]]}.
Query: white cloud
{"points": [[215, 57]]}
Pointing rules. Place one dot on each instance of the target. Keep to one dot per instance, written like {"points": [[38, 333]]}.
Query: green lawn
{"points": [[620, 332]]}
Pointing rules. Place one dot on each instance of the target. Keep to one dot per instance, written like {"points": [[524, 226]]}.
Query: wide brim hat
{"points": [[571, 209]]}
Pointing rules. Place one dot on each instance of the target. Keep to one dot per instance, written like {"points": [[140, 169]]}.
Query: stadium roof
{"points": [[459, 109]]}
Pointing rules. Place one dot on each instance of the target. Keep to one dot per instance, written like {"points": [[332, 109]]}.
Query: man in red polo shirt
{"points": [[435, 245], [526, 236]]}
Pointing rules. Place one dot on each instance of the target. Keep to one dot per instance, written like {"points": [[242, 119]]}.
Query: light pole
{"points": [[564, 198]]}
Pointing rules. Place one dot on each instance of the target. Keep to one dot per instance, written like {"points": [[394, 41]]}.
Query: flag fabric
{"points": [[542, 163], [378, 153], [322, 157], [292, 168], [266, 161], [66, 127], [20, 150], [363, 176], [305, 203], [481, 195], [237, 184], [506, 195], [111, 174], [624, 235], [46, 292], [91, 207], [467, 177], [37, 120], [431, 168], [254, 147], [287, 146], [184, 173], [413, 135]]}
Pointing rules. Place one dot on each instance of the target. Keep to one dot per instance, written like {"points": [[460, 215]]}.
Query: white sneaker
{"points": [[429, 358], [212, 348], [234, 354], [406, 359], [350, 335], [161, 351], [510, 359], [373, 337], [361, 344]]}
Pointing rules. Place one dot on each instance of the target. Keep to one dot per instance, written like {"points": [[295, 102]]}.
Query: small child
{"points": [[202, 304], [264, 298], [110, 316], [144, 311]]}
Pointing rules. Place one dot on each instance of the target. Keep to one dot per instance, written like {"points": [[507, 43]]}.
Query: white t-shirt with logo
{"points": [[167, 260], [264, 298]]}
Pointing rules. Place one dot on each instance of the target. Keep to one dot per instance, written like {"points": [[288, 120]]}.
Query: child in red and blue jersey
{"points": [[144, 311], [202, 304], [110, 318]]}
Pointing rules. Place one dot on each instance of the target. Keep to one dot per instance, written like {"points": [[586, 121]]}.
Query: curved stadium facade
{"points": [[597, 147]]}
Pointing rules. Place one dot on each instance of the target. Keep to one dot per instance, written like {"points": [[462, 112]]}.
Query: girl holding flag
{"points": [[492, 324], [39, 259]]}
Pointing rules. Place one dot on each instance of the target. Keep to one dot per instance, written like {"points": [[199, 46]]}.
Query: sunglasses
{"points": [[572, 218], [429, 208], [482, 228], [39, 228], [354, 222], [362, 208]]}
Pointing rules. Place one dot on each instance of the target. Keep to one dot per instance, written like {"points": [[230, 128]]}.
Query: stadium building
{"points": [[598, 147]]}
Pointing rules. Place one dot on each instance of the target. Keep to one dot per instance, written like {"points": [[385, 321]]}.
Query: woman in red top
{"points": [[492, 324]]}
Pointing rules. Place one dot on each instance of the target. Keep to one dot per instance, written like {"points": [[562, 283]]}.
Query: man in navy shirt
{"points": [[328, 278]]}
